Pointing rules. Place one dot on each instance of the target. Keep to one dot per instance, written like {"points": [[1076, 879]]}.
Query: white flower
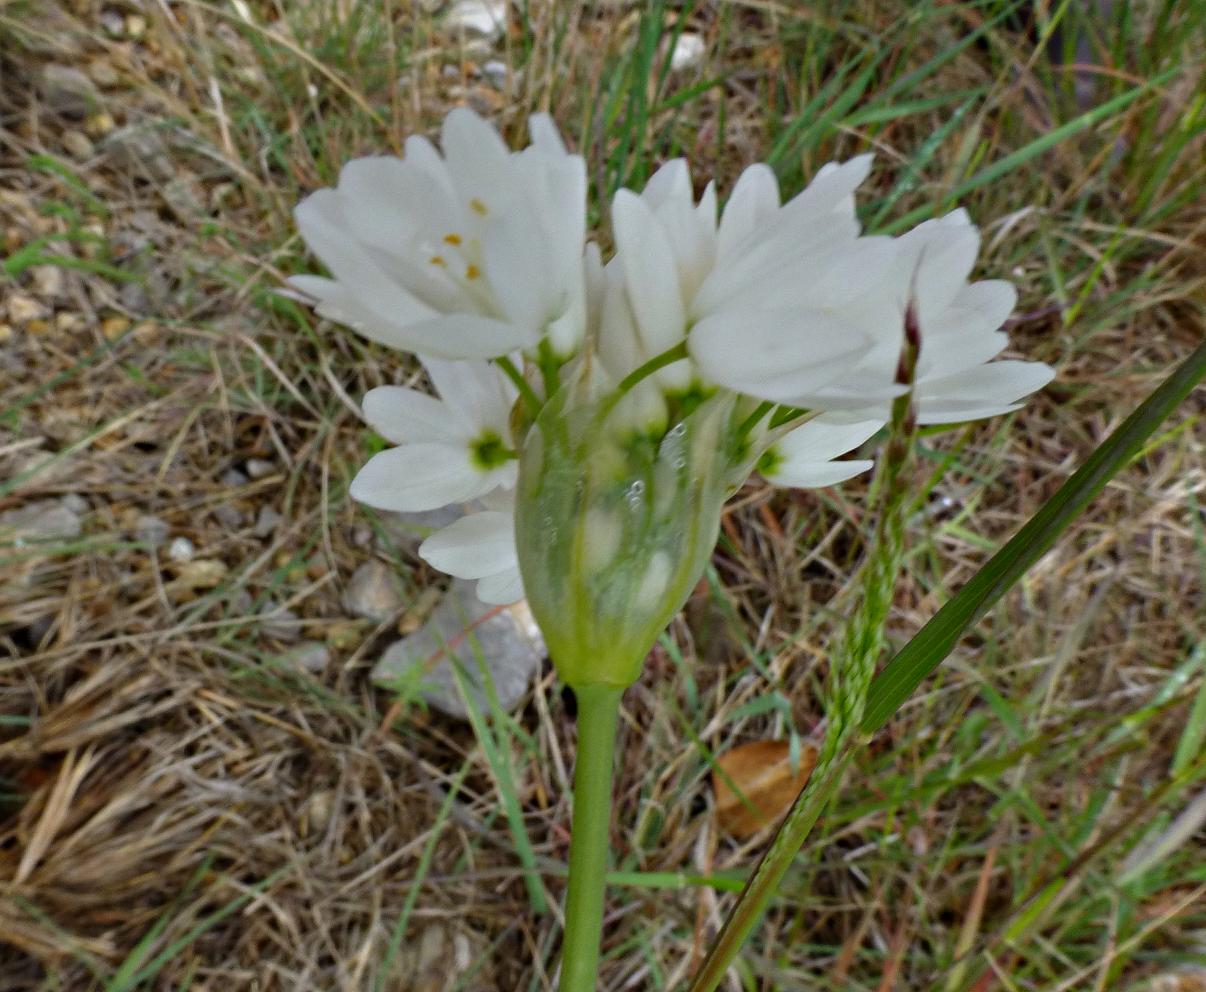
{"points": [[472, 255], [481, 546], [803, 457], [763, 288], [449, 450], [959, 327]]}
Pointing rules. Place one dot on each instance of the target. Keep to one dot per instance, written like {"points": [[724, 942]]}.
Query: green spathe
{"points": [[614, 525]]}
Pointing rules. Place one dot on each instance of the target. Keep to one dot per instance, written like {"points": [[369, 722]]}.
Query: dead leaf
{"points": [[767, 785]]}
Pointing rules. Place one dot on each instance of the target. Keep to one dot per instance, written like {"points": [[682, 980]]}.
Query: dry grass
{"points": [[182, 807]]}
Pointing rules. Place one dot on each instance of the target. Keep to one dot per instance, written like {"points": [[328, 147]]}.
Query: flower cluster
{"points": [[603, 411]]}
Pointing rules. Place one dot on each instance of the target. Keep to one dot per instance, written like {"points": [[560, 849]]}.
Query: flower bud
{"points": [[614, 528]]}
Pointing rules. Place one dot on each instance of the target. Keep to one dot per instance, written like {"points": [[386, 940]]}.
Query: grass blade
{"points": [[934, 641]]}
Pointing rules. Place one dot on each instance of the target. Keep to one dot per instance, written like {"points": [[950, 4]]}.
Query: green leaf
{"points": [[926, 651]]}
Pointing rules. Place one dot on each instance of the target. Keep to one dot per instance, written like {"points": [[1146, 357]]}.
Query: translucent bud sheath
{"points": [[615, 527]]}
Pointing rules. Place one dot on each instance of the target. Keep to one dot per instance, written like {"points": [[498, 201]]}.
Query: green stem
{"points": [[598, 713]]}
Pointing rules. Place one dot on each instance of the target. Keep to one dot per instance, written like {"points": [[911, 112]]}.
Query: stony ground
{"points": [[202, 786]]}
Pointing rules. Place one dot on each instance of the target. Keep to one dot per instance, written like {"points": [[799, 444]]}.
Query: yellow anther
{"points": [[452, 239], [472, 272], [478, 207], [437, 260]]}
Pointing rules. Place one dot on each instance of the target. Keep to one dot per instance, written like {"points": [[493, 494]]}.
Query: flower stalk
{"points": [[598, 714]]}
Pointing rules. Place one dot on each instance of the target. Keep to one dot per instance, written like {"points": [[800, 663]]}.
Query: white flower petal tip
{"points": [[479, 546], [472, 254]]}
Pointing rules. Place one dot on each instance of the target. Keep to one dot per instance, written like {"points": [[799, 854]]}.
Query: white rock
{"points": [[76, 503], [283, 625], [495, 71], [373, 592], [485, 18], [688, 51], [151, 530], [309, 656], [181, 549], [266, 521], [505, 640], [43, 520], [258, 468]]}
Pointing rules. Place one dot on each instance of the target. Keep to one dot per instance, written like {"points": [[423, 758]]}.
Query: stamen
{"points": [[478, 207], [452, 239], [437, 260], [472, 272]]}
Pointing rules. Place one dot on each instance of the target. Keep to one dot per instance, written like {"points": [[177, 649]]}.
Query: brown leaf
{"points": [[765, 781]]}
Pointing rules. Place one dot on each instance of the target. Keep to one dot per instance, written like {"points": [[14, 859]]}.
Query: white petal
{"points": [[937, 257], [476, 156], [991, 388], [465, 335], [826, 437], [473, 547], [828, 191], [946, 354], [650, 273], [754, 200], [415, 477], [795, 351], [502, 588], [671, 182], [477, 392], [403, 415], [544, 135], [320, 219], [519, 267], [816, 475]]}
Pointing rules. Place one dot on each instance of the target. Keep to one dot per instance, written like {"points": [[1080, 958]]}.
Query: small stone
{"points": [[69, 323], [689, 50], [103, 73], [506, 640], [23, 308], [309, 656], [76, 503], [234, 479], [152, 531], [136, 25], [43, 520], [6, 333], [141, 150], [318, 809], [68, 92], [484, 18], [78, 144], [266, 521], [258, 468], [112, 22], [201, 573], [495, 72], [181, 549], [373, 592], [183, 195], [229, 516], [114, 327], [50, 282], [281, 625], [99, 125], [406, 531]]}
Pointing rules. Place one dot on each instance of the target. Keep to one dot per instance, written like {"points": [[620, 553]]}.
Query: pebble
{"points": [[689, 50], [42, 520], [201, 573], [309, 656], [23, 309], [282, 625], [114, 327], [484, 18], [152, 531], [495, 71], [78, 144], [374, 592], [103, 73], [49, 281], [76, 503], [406, 531], [68, 92], [181, 549], [508, 642], [234, 479], [266, 521], [229, 516], [141, 150], [258, 468]]}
